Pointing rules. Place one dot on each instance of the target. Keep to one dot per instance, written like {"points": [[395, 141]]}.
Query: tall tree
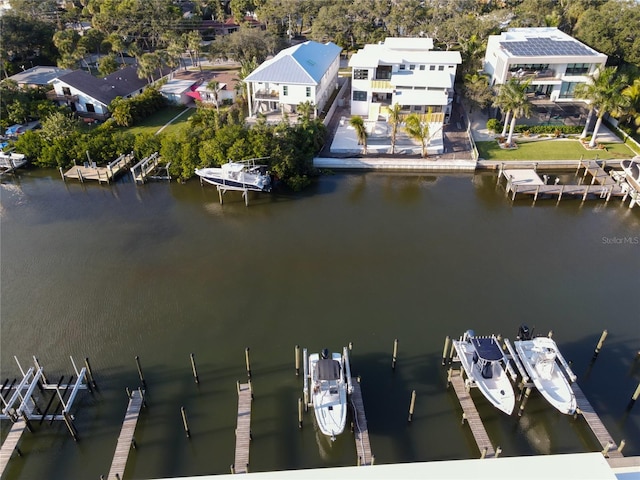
{"points": [[395, 119], [214, 88], [361, 132], [632, 92], [477, 90], [512, 97], [604, 93], [418, 130]]}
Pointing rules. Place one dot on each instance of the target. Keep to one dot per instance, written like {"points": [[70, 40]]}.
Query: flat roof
{"points": [[573, 466], [543, 41]]}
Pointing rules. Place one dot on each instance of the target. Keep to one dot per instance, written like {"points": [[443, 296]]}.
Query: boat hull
{"points": [[329, 398], [538, 358], [235, 180], [497, 389]]}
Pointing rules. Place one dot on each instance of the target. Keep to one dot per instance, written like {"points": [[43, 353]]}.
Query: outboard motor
{"points": [[524, 333], [325, 353]]}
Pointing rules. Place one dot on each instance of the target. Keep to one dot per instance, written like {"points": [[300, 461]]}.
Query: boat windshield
{"points": [[328, 369], [487, 349]]}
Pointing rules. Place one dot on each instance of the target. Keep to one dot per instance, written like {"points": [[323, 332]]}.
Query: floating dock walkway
{"points": [[11, 443], [126, 439], [243, 429], [470, 414], [610, 448], [360, 429]]}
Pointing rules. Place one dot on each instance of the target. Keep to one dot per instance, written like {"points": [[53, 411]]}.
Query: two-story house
{"points": [[304, 72], [406, 71], [554, 61]]}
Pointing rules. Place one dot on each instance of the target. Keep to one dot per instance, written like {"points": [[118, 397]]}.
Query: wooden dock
{"points": [[610, 448], [360, 429], [602, 184], [471, 415], [125, 440], [10, 443], [243, 429], [90, 171]]}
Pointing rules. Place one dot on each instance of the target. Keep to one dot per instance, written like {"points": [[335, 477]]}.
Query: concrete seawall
{"points": [[412, 164]]}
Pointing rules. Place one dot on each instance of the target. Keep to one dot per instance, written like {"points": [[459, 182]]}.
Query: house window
{"points": [[432, 68], [66, 91], [417, 108], [402, 67], [412, 67], [422, 67], [285, 90], [359, 96], [577, 69], [440, 68], [567, 89], [360, 74], [308, 91]]}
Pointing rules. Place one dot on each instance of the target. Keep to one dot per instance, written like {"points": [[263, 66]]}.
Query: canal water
{"points": [[163, 270]]}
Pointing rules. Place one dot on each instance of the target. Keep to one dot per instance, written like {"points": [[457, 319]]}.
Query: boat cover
{"points": [[328, 369], [633, 167], [487, 349]]}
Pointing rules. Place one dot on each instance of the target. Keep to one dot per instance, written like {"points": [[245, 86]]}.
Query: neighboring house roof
{"points": [[177, 87], [303, 64], [542, 42], [119, 84], [39, 75]]}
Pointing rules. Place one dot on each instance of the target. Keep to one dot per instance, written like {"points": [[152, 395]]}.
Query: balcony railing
{"points": [[267, 94], [54, 97], [380, 85], [533, 74]]}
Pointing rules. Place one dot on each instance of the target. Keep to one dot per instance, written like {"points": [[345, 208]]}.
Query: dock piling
{"points": [[297, 356], [395, 354], [144, 384], [412, 406], [300, 412], [600, 343], [444, 350], [185, 423], [246, 357], [90, 372], [527, 392], [193, 367]]}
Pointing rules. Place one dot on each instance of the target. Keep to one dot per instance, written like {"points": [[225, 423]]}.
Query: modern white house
{"points": [[554, 61], [406, 71], [305, 72]]}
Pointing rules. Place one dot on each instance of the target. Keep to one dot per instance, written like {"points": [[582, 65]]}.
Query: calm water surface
{"points": [[161, 271]]}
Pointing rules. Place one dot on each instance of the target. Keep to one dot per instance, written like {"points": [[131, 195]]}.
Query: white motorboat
{"points": [[540, 358], [631, 170], [242, 176], [328, 382], [485, 365]]}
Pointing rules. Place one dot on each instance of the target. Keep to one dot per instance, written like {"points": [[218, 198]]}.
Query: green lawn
{"points": [[551, 149], [156, 121]]}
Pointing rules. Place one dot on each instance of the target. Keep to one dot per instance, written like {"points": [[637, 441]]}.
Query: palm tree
{"points": [[394, 119], [361, 132], [418, 130], [213, 86], [512, 98], [305, 109], [604, 93], [632, 92]]}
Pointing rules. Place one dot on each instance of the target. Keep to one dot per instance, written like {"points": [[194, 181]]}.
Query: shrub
{"points": [[494, 125], [549, 129]]}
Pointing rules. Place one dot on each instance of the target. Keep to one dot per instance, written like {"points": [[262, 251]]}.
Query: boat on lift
{"points": [[486, 366], [542, 361], [327, 383], [243, 176], [631, 170]]}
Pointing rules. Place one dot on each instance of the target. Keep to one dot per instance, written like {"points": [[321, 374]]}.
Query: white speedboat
{"points": [[242, 176], [631, 170], [484, 363], [540, 357], [327, 383]]}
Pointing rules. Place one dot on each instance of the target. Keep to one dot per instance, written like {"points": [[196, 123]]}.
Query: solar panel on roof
{"points": [[545, 46]]}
